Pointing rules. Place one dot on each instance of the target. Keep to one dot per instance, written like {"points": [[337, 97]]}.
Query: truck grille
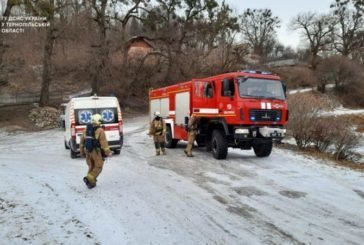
{"points": [[265, 115]]}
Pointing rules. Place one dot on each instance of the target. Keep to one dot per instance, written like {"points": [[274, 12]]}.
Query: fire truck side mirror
{"points": [[284, 88], [186, 120], [186, 123]]}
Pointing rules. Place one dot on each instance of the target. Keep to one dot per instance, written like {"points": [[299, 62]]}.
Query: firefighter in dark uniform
{"points": [[158, 130], [95, 158], [192, 132]]}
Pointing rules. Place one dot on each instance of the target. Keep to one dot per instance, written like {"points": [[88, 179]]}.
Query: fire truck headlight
{"points": [[241, 131]]}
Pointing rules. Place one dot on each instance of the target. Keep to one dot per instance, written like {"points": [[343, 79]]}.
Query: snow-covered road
{"points": [[144, 199]]}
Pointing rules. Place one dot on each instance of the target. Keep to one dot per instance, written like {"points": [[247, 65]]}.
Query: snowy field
{"points": [[144, 199]]}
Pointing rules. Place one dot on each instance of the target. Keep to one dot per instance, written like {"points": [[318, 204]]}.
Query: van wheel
{"points": [[170, 142], [66, 146], [219, 144], [73, 154], [117, 152], [263, 149]]}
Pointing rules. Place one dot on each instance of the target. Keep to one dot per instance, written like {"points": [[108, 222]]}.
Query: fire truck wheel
{"points": [[170, 142], [263, 149], [201, 142], [219, 144]]}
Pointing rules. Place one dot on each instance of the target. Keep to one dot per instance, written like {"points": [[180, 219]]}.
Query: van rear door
{"points": [[108, 109]]}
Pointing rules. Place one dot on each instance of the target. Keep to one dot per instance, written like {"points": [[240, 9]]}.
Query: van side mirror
{"points": [[62, 123]]}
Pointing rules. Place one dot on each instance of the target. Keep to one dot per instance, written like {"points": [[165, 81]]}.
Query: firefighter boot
{"points": [[163, 149], [90, 181], [157, 148], [188, 154]]}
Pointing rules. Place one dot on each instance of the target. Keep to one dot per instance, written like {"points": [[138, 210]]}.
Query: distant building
{"points": [[283, 62], [138, 48]]}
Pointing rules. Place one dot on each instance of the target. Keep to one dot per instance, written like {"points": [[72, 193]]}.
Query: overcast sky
{"points": [[285, 10]]}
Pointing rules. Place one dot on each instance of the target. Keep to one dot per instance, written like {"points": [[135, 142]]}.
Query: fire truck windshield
{"points": [[260, 88]]}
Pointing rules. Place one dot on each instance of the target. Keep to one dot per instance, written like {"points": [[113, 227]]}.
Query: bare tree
{"points": [[316, 29], [222, 32], [173, 25], [98, 64], [358, 53], [359, 4], [258, 27], [349, 21]]}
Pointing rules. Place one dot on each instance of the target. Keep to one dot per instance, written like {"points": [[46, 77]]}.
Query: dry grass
{"points": [[323, 156], [356, 119]]}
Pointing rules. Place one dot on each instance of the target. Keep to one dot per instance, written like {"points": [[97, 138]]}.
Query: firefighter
{"points": [[158, 130], [192, 132], [98, 151]]}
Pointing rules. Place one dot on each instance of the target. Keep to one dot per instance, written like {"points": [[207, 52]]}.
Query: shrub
{"points": [[310, 127], [323, 133], [344, 139], [305, 110]]}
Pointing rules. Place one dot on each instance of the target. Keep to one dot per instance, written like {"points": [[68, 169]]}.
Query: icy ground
{"points": [[144, 199]]}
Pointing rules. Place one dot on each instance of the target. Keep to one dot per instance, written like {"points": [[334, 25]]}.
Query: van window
{"points": [[109, 115], [83, 116]]}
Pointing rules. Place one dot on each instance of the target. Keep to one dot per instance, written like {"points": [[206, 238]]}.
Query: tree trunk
{"points": [[314, 62], [321, 87], [3, 22], [100, 57], [167, 77], [47, 59], [124, 44]]}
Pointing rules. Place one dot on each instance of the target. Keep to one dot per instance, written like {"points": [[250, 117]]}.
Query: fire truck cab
{"points": [[245, 109]]}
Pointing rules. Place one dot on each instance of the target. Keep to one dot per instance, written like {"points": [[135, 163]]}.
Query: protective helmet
{"points": [[157, 114], [96, 119]]}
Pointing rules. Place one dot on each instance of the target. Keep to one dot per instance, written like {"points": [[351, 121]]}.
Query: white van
{"points": [[78, 113]]}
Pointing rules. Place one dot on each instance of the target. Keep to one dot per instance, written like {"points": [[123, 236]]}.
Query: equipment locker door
{"points": [[182, 107]]}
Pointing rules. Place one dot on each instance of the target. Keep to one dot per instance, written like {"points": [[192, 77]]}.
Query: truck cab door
{"points": [[227, 97], [204, 99]]}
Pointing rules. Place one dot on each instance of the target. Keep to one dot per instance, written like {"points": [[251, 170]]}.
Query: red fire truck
{"points": [[245, 109]]}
